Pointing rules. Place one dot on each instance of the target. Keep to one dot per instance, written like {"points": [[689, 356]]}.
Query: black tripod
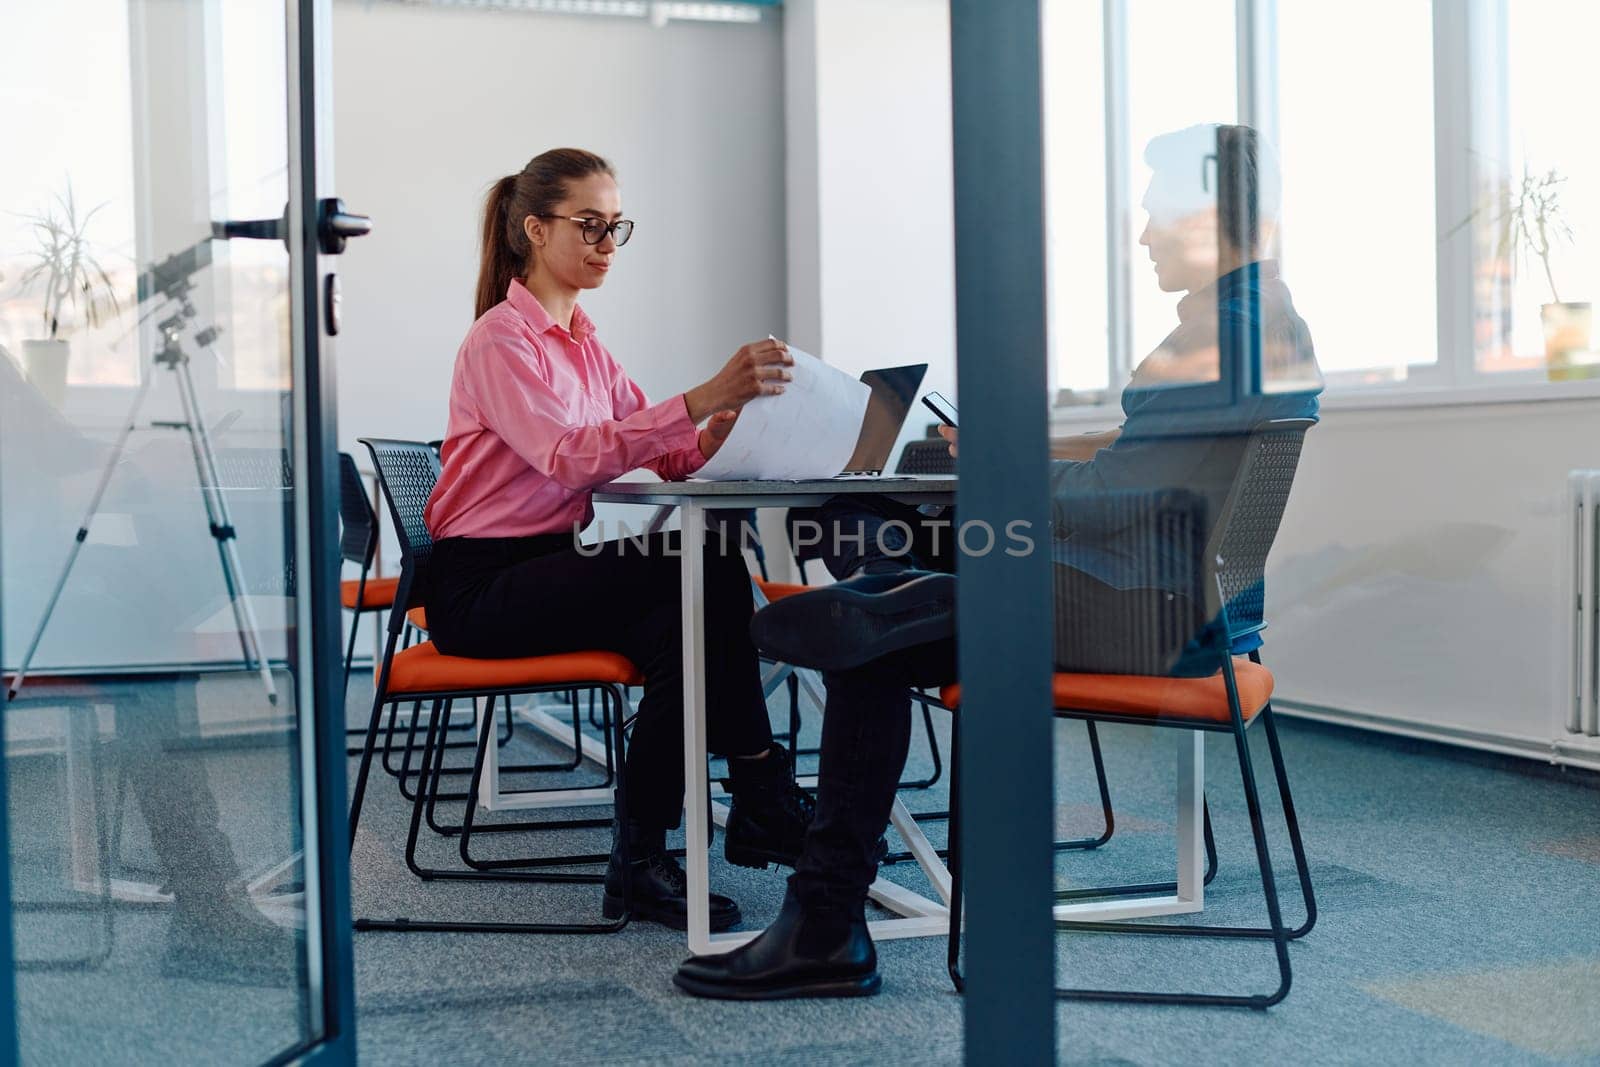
{"points": [[173, 357]]}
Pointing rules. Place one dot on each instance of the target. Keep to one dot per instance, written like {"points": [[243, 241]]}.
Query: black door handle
{"points": [[255, 229], [335, 226]]}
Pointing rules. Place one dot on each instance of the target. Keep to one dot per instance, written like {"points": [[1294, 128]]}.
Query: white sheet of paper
{"points": [[807, 431]]}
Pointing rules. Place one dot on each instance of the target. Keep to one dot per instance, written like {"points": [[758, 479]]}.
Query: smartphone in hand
{"points": [[941, 407]]}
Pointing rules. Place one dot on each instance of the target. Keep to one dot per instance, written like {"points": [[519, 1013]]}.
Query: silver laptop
{"points": [[894, 391]]}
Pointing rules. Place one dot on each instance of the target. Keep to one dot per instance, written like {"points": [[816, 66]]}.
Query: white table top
{"points": [[925, 488]]}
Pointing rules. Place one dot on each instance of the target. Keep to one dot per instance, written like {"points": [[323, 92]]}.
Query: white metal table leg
{"points": [[921, 849], [1189, 894], [1191, 781], [489, 790], [692, 521]]}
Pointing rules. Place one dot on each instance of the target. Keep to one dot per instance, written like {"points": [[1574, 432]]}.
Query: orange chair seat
{"points": [[424, 669], [1202, 699], [379, 593], [775, 591], [418, 617]]}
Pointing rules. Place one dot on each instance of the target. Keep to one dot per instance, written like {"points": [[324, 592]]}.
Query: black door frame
{"points": [[1005, 613], [316, 634]]}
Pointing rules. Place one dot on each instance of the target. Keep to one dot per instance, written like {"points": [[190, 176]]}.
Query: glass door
{"points": [[174, 778]]}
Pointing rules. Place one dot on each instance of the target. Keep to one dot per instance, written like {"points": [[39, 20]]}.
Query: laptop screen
{"points": [[894, 390]]}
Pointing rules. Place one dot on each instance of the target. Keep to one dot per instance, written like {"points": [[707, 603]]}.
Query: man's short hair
{"points": [[1230, 167]]}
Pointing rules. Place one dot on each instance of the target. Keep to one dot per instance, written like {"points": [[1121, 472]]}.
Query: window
{"points": [[254, 185], [1180, 73], [1542, 157], [1357, 232], [1075, 195], [68, 128], [1408, 134], [77, 126]]}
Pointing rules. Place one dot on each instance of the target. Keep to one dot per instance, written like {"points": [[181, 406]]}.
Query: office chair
{"points": [[363, 595], [1231, 583], [407, 472]]}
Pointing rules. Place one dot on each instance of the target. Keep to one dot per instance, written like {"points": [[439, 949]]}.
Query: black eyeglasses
{"points": [[595, 230]]}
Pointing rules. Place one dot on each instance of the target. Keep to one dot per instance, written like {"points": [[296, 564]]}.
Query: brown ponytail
{"points": [[534, 190]]}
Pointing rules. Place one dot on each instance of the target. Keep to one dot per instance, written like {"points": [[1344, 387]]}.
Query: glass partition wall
{"points": [[168, 884], [1302, 259], [1256, 641]]}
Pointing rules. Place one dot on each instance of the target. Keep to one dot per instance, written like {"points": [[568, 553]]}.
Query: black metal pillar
{"points": [[1005, 599]]}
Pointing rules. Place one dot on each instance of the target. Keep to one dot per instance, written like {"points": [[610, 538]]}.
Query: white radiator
{"points": [[1583, 539]]}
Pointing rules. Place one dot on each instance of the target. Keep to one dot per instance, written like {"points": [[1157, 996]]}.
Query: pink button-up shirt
{"points": [[538, 418]]}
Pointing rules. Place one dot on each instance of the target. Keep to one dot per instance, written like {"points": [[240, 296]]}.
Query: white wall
{"points": [[434, 104], [1419, 583], [871, 246]]}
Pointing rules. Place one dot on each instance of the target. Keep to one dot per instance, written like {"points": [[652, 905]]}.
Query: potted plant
{"points": [[73, 279], [1531, 223]]}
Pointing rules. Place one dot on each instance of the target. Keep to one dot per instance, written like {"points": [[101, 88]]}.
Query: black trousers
{"points": [[866, 729], [174, 792], [500, 598]]}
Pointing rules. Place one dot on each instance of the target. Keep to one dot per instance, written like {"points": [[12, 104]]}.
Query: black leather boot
{"points": [[652, 883], [770, 813], [840, 626], [813, 953]]}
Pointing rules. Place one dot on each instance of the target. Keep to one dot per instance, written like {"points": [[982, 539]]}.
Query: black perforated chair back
{"points": [[258, 483], [1248, 523], [931, 455], [254, 468], [407, 472], [358, 538]]}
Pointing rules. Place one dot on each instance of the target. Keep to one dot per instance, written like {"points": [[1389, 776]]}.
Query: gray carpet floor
{"points": [[1455, 894], [1453, 897]]}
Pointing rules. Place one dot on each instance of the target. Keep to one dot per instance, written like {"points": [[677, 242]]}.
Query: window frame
{"points": [[1469, 70]]}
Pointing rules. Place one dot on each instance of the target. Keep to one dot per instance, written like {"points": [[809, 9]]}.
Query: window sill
{"points": [[1458, 395], [1385, 397]]}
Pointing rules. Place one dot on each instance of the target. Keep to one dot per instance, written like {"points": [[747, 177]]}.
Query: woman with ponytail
{"points": [[541, 414]]}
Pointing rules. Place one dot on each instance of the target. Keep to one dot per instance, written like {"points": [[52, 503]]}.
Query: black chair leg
{"points": [[1108, 820], [403, 774], [953, 944], [1302, 868], [933, 752], [434, 795], [350, 653], [523, 863], [1275, 931], [431, 754], [511, 724], [349, 658], [368, 746]]}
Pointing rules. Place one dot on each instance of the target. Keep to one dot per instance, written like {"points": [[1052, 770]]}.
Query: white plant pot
{"points": [[1568, 341], [46, 365]]}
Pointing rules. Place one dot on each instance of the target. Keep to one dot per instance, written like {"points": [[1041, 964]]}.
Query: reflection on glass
{"points": [[152, 748], [1134, 507], [1181, 71]]}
